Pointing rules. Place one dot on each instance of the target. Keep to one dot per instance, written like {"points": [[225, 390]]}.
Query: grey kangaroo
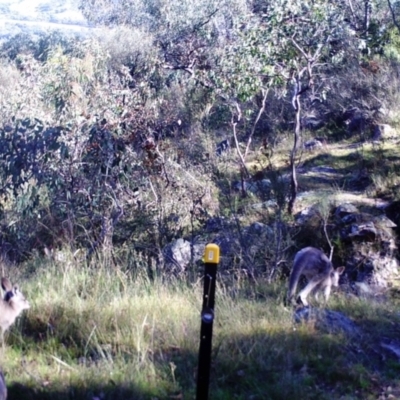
{"points": [[12, 304], [319, 272], [3, 387]]}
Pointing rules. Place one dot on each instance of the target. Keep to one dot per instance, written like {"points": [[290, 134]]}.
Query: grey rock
{"points": [[345, 209], [326, 320], [178, 255], [312, 123], [306, 215], [384, 222], [383, 132], [258, 228], [367, 231], [312, 144], [365, 290], [368, 244]]}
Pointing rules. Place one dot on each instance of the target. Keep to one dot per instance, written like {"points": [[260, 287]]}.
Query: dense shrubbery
{"points": [[111, 140]]}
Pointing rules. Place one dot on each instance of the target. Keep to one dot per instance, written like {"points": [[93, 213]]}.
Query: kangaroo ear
{"points": [[340, 270], [6, 284]]}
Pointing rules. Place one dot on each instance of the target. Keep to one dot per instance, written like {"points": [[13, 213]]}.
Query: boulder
{"points": [[180, 253], [313, 144], [381, 132], [345, 209], [369, 245], [327, 321], [309, 215]]}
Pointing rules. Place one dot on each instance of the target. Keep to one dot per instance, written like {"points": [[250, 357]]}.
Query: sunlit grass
{"points": [[96, 332]]}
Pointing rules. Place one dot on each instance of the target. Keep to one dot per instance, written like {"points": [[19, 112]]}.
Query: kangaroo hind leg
{"points": [[311, 285]]}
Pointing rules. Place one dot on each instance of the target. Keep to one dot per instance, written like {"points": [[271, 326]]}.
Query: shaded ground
{"points": [[349, 172]]}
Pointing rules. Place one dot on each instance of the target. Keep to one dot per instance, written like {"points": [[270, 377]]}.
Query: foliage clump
{"points": [[110, 141]]}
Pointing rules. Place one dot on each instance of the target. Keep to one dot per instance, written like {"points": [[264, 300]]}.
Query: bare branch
{"points": [[396, 23], [260, 112], [305, 55], [234, 123]]}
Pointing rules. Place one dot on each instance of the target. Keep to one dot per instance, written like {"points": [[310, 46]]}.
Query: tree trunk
{"points": [[296, 145]]}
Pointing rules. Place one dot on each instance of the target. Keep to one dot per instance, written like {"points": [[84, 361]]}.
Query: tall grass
{"points": [[105, 333]]}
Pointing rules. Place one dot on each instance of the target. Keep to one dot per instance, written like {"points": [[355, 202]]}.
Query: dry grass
{"points": [[103, 333]]}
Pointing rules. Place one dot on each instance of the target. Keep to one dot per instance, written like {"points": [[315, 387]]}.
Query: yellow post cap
{"points": [[211, 254]]}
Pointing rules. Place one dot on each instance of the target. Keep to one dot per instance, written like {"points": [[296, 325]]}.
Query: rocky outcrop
{"points": [[327, 321], [364, 242], [370, 245], [367, 243], [241, 245], [180, 253]]}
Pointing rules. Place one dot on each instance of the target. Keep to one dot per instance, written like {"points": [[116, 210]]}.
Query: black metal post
{"points": [[211, 259]]}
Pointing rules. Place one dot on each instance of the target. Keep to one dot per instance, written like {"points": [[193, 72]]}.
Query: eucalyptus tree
{"points": [[240, 51], [304, 34], [288, 45]]}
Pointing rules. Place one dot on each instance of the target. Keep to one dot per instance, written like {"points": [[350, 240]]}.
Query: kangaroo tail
{"points": [[294, 280]]}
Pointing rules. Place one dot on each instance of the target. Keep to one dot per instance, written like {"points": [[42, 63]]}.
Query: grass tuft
{"points": [[104, 333]]}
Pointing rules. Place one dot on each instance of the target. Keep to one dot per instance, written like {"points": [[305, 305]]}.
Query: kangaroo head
{"points": [[13, 296], [335, 276]]}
